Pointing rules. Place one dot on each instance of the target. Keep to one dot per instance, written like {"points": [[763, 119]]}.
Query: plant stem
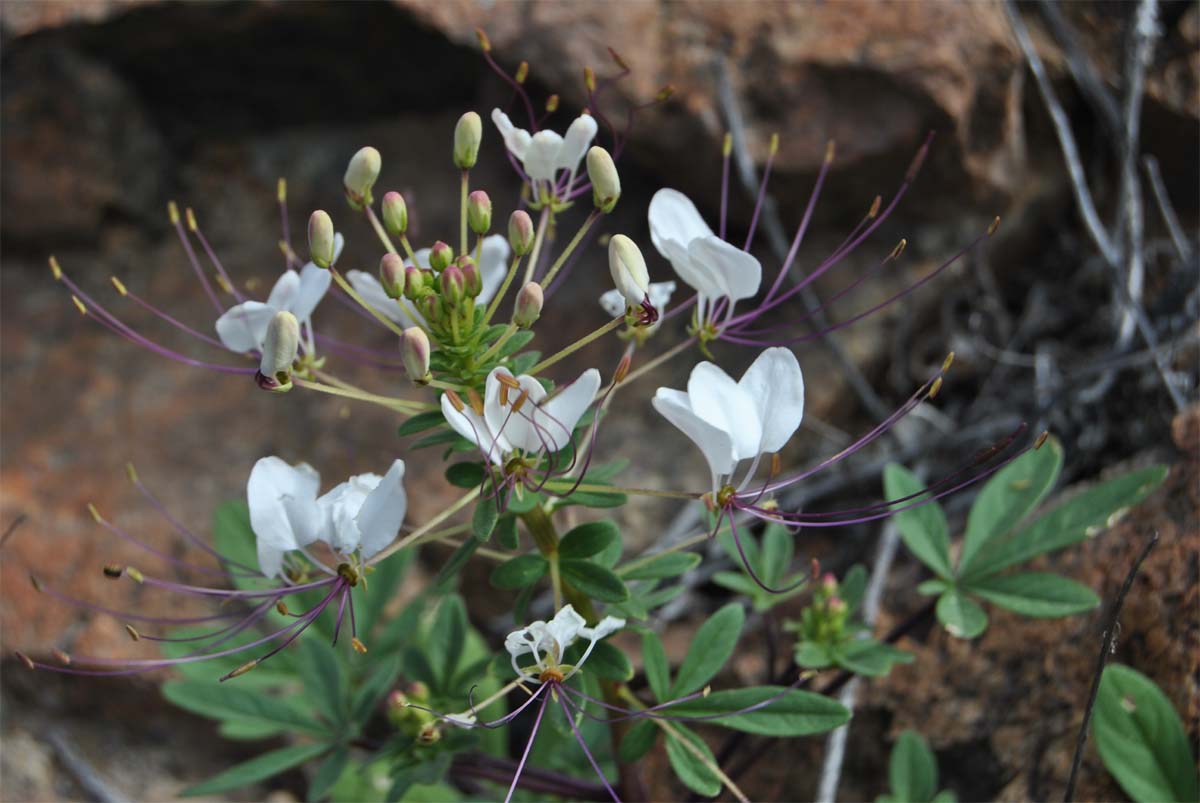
{"points": [[512, 272], [462, 209], [541, 529], [577, 345], [571, 246], [614, 489], [398, 405], [380, 232], [379, 316], [495, 347], [416, 534], [543, 222]]}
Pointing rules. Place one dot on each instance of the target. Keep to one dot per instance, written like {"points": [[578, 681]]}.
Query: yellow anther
{"points": [[522, 72], [1041, 439], [589, 79], [455, 401], [131, 472], [509, 380], [79, 305], [665, 93], [995, 225], [484, 43], [62, 657], [191, 219], [946, 363], [36, 583], [95, 513], [358, 646], [117, 283], [520, 402], [55, 270], [25, 660], [552, 103], [551, 673], [874, 210], [776, 465], [773, 148], [173, 212], [133, 634], [243, 669], [727, 144], [503, 395], [899, 249], [223, 283], [830, 150], [281, 189], [707, 691], [113, 570], [475, 400], [935, 387], [135, 574], [282, 609]]}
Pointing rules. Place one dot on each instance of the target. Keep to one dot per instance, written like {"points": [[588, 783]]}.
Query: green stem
{"points": [[379, 230], [577, 345], [512, 273], [670, 353], [541, 529], [462, 208], [543, 222], [495, 347], [416, 534], [408, 249], [398, 405], [562, 258], [379, 316], [554, 485]]}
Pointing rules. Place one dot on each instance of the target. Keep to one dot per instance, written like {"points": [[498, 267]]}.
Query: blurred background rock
{"points": [[110, 109]]}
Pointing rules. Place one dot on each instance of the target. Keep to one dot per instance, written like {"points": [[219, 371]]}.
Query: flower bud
{"points": [[479, 212], [606, 183], [279, 351], [414, 352], [829, 583], [470, 271], [628, 269], [414, 283], [520, 232], [454, 286], [391, 275], [528, 307], [418, 691], [397, 704], [360, 176], [440, 256], [468, 132], [428, 307], [837, 605], [395, 213], [320, 238]]}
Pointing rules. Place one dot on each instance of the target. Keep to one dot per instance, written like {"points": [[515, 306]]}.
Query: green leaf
{"points": [[588, 539], [912, 769], [638, 741], [853, 586], [484, 520], [226, 701], [791, 712], [1084, 515], [465, 475], [609, 556], [695, 773], [446, 638], [380, 588], [595, 581], [440, 438], [869, 657], [711, 647], [506, 532], [777, 552], [609, 663], [739, 583], [234, 539], [324, 684], [328, 773], [962, 617], [931, 587], [521, 363], [240, 730], [749, 546], [521, 571], [421, 422], [523, 501], [515, 343], [1008, 497], [813, 655], [372, 690], [658, 671], [923, 528], [596, 499], [1038, 594], [1140, 738], [457, 560], [256, 769], [661, 567]]}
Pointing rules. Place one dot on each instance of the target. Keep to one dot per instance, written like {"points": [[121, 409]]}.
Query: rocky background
{"points": [[110, 109]]}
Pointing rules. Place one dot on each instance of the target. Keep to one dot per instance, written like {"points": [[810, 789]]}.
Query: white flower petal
{"points": [[515, 139], [518, 427], [716, 398], [736, 272], [576, 142], [660, 294], [541, 159], [367, 286], [244, 327], [613, 302], [284, 291], [563, 629], [493, 266], [776, 385], [475, 429], [674, 217], [605, 627], [715, 444], [421, 257], [314, 283], [283, 509], [557, 418], [340, 507], [339, 242], [383, 511]]}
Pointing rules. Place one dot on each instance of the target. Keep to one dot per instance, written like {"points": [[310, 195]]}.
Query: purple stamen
{"points": [[724, 189], [583, 744], [191, 255], [212, 256], [758, 204], [528, 746], [184, 531], [146, 305]]}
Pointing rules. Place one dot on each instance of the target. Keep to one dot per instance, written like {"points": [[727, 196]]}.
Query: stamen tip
{"points": [[476, 401], [131, 472], [133, 633], [623, 368], [589, 79], [79, 305], [830, 150], [282, 608], [241, 670], [173, 212], [117, 283], [665, 93], [358, 646], [113, 570], [25, 660], [191, 219], [774, 146], [62, 657], [875, 205], [946, 363], [707, 691], [552, 104], [899, 249], [36, 583], [522, 72], [281, 189], [1041, 439], [55, 268], [455, 401], [918, 160], [934, 388], [995, 225], [485, 44], [137, 576], [95, 513], [727, 145]]}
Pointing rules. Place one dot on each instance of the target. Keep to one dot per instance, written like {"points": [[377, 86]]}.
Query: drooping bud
{"points": [[454, 286], [279, 351], [391, 275], [470, 271], [414, 283], [440, 256], [628, 269], [606, 183], [395, 213], [320, 238], [528, 307], [468, 133], [360, 176], [520, 232], [479, 212]]}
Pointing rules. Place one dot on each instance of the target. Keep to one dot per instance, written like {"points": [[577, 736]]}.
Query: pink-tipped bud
{"points": [[320, 238], [454, 286], [415, 283], [471, 275], [361, 175], [468, 133], [479, 212], [418, 691], [829, 582], [606, 183], [837, 605], [395, 213], [391, 275], [528, 307], [279, 351], [440, 256], [414, 352], [520, 232]]}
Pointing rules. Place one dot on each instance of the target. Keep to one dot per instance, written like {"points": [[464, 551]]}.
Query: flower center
{"points": [[551, 673]]}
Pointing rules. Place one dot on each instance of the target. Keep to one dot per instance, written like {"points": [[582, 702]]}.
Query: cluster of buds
{"points": [[408, 712], [824, 621]]}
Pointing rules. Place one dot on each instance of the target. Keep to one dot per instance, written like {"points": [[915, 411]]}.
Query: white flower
{"points": [[628, 269], [532, 426], [548, 641], [712, 267], [613, 301], [733, 421], [365, 512], [243, 327], [545, 153], [493, 266]]}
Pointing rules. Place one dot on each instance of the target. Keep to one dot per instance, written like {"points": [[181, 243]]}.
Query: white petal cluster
{"points": [[660, 293], [734, 421], [548, 641], [243, 327], [363, 513], [537, 426], [545, 153]]}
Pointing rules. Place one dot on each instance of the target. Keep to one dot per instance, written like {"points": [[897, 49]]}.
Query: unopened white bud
{"points": [[279, 352], [528, 307], [468, 133], [606, 183], [628, 269], [360, 176], [414, 351], [321, 238]]}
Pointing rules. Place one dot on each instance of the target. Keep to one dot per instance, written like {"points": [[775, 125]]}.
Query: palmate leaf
{"points": [[923, 528], [588, 539], [1038, 594], [595, 581], [257, 769], [961, 616], [227, 702], [790, 712]]}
